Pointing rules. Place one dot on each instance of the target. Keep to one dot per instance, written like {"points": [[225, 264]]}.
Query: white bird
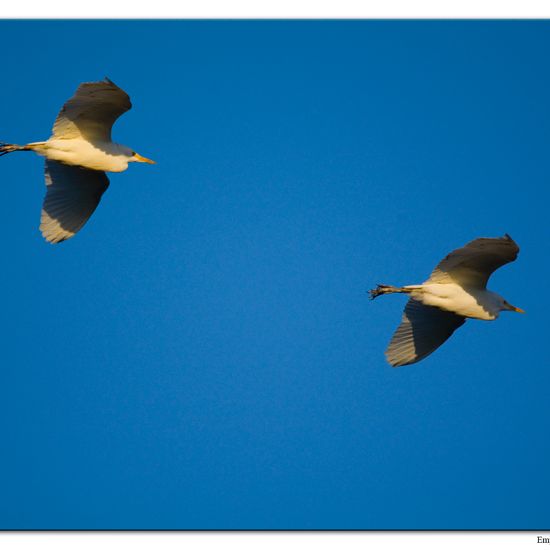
{"points": [[456, 290], [78, 154]]}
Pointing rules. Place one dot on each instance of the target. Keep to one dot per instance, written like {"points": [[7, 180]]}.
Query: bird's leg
{"points": [[6, 148], [387, 289]]}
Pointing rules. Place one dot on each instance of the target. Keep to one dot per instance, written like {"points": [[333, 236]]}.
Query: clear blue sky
{"points": [[204, 354]]}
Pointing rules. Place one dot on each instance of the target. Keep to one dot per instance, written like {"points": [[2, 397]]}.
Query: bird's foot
{"points": [[375, 292], [385, 289], [6, 148]]}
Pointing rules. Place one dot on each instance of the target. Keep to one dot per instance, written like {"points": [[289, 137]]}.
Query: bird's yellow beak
{"points": [[514, 308], [139, 158]]}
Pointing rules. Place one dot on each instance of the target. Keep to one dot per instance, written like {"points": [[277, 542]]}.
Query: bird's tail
{"points": [[387, 289]]}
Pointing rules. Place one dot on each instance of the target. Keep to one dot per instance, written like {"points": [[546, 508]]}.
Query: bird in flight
{"points": [[78, 154], [455, 291]]}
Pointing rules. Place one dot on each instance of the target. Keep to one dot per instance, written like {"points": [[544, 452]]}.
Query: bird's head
{"points": [[134, 157], [505, 306]]}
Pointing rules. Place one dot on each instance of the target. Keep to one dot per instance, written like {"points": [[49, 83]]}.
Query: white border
{"points": [[267, 9], [273, 541]]}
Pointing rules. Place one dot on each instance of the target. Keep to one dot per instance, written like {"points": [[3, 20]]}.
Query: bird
{"points": [[77, 155], [455, 291]]}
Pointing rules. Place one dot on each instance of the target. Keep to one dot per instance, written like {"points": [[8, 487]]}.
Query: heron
{"points": [[455, 291], [77, 155]]}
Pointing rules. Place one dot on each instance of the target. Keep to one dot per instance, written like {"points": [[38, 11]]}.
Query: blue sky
{"points": [[203, 354]]}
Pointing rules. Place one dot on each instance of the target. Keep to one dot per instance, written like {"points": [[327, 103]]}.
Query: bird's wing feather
{"points": [[422, 330], [72, 195], [473, 264], [91, 112]]}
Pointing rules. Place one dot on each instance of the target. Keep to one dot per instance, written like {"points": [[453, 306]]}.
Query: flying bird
{"points": [[455, 291], [78, 154]]}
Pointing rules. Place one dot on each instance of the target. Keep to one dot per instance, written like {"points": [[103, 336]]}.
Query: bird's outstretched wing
{"points": [[422, 330], [91, 112], [72, 195], [473, 264]]}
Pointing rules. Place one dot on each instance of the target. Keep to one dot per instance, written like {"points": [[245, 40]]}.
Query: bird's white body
{"points": [[476, 303], [106, 156]]}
